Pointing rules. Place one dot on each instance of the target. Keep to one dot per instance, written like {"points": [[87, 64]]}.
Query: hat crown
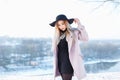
{"points": [[61, 17]]}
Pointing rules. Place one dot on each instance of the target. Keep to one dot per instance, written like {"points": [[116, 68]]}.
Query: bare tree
{"points": [[101, 3]]}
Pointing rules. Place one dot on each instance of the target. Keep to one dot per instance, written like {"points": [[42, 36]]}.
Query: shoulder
{"points": [[74, 30]]}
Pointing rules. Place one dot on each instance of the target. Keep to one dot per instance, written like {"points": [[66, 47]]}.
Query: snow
{"points": [[102, 60], [96, 76], [112, 73], [115, 68], [46, 73]]}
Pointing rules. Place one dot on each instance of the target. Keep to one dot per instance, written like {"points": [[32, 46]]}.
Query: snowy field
{"points": [[97, 76], [112, 73]]}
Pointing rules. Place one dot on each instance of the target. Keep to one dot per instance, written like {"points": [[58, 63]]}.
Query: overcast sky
{"points": [[31, 18]]}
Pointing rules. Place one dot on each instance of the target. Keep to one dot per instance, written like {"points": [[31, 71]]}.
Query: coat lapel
{"points": [[69, 40]]}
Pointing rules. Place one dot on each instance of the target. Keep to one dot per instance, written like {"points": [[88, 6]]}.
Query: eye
{"points": [[58, 25]]}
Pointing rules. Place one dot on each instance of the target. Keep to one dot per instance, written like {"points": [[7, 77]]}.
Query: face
{"points": [[61, 25]]}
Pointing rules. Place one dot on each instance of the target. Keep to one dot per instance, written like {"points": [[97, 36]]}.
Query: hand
{"points": [[77, 21]]}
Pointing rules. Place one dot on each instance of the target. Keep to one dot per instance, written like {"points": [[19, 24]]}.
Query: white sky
{"points": [[31, 18]]}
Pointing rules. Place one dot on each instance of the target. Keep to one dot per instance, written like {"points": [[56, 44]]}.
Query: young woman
{"points": [[68, 60]]}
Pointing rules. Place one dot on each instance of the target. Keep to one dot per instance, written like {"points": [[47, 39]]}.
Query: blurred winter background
{"points": [[25, 34]]}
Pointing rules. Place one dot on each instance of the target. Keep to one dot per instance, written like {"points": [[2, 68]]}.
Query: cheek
{"points": [[61, 27], [65, 27]]}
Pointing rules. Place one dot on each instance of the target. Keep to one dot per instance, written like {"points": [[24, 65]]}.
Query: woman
{"points": [[68, 58]]}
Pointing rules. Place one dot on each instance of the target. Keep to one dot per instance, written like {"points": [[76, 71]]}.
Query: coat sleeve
{"points": [[82, 34]]}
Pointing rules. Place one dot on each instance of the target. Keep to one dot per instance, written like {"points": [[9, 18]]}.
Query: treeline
{"points": [[101, 49], [29, 52], [21, 51]]}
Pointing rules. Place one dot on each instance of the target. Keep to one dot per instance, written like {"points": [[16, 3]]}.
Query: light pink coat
{"points": [[75, 54]]}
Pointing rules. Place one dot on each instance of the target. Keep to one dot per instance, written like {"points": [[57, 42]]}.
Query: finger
{"points": [[75, 20]]}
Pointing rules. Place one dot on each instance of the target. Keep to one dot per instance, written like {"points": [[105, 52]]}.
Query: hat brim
{"points": [[70, 21]]}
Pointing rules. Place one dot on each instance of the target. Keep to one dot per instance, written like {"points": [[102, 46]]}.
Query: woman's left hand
{"points": [[77, 21]]}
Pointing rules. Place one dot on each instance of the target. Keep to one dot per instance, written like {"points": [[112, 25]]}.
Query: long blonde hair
{"points": [[56, 37]]}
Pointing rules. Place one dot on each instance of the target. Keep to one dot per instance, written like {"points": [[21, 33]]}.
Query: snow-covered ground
{"points": [[97, 76], [115, 68], [37, 74], [46, 73]]}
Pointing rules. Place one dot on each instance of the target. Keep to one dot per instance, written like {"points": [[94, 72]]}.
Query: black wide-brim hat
{"points": [[61, 17]]}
